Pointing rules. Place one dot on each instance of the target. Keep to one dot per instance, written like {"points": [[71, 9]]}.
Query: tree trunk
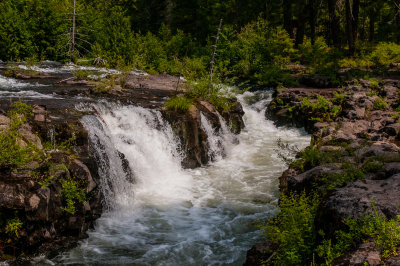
{"points": [[334, 27], [313, 20], [288, 17], [301, 21], [352, 10], [371, 28]]}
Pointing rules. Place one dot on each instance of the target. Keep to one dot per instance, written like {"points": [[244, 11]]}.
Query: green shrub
{"points": [[13, 153], [194, 68], [315, 55], [350, 173], [384, 54], [380, 104], [322, 109], [292, 230], [374, 84], [72, 194], [81, 74], [372, 166], [13, 227], [204, 90], [50, 174], [179, 104], [372, 93], [338, 98], [371, 226]]}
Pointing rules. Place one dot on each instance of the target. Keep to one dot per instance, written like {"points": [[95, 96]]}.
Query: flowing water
{"points": [[161, 214], [157, 212]]}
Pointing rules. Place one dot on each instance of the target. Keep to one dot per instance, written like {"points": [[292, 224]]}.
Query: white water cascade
{"points": [[161, 214]]}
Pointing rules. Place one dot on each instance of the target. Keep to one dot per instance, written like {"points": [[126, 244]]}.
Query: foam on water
{"points": [[170, 216], [11, 83]]}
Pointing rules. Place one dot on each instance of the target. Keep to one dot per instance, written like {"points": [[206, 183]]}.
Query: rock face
{"points": [[188, 127], [355, 158], [34, 198]]}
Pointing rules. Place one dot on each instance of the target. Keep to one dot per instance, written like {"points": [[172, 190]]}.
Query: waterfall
{"points": [[218, 140], [166, 215], [214, 139], [135, 140]]}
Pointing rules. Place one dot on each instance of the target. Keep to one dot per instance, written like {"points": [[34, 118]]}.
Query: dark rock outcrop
{"points": [[359, 147], [188, 127], [33, 194]]}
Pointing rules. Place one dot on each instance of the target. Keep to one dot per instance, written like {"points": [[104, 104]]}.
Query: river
{"points": [[167, 215]]}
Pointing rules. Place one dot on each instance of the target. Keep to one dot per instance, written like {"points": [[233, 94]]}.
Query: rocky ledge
{"points": [[49, 185], [353, 162], [49, 193], [188, 127]]}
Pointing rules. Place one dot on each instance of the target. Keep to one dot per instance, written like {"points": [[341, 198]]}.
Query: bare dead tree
{"points": [[76, 41], [215, 51], [73, 28]]}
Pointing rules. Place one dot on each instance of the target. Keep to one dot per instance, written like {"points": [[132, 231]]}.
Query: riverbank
{"points": [[352, 168]]}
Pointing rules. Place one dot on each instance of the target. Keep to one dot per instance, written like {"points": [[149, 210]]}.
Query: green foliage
{"points": [[13, 227], [380, 104], [384, 54], [314, 55], [373, 225], [53, 171], [81, 74], [372, 166], [72, 194], [179, 104], [372, 93], [338, 98], [350, 173], [292, 230], [374, 84], [204, 90], [258, 52], [19, 113], [14, 150], [322, 109]]}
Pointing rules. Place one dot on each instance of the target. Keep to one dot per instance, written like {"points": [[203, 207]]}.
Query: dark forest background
{"points": [[260, 39]]}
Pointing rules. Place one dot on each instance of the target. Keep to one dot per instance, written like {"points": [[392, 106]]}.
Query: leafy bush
{"points": [[373, 225], [72, 194], [380, 104], [315, 55], [179, 104], [322, 109], [292, 230], [384, 54], [13, 153], [372, 93], [350, 173], [13, 227], [81, 74]]}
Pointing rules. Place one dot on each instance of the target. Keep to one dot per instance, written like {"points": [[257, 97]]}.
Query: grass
{"points": [[180, 104]]}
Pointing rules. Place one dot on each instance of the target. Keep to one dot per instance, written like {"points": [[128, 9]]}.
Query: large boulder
{"points": [[356, 199]]}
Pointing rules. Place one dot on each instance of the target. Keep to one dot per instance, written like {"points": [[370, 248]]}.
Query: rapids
{"points": [[161, 214]]}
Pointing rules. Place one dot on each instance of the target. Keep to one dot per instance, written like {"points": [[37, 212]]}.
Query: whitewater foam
{"points": [[172, 216]]}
